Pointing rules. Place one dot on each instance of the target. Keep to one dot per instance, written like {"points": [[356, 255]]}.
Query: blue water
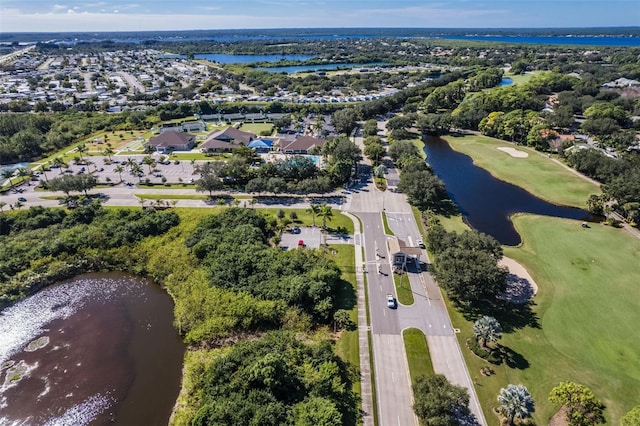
{"points": [[576, 40], [485, 202], [301, 68], [223, 58], [506, 82]]}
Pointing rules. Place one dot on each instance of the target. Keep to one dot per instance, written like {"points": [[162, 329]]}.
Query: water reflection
{"points": [[486, 202], [97, 349]]}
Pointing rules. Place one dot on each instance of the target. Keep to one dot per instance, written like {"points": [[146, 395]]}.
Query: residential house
{"points": [[172, 141], [193, 126]]}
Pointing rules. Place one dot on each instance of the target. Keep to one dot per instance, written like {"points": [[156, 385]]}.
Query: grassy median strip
{"points": [[385, 222], [403, 289], [171, 196], [418, 357]]}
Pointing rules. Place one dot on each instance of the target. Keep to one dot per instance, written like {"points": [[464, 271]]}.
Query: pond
{"points": [[99, 348], [223, 58], [487, 203]]}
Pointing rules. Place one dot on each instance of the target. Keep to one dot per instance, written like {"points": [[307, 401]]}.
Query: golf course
{"points": [[582, 324]]}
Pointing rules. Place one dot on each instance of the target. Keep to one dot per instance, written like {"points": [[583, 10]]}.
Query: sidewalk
{"points": [[363, 328]]}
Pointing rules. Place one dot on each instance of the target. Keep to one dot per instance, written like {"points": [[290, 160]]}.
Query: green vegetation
{"points": [[537, 174], [415, 344], [403, 288], [347, 346], [40, 246], [339, 222], [438, 402], [257, 128], [171, 197], [560, 329], [385, 222]]}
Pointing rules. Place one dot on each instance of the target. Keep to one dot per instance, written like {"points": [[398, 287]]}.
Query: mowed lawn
{"points": [[536, 173], [588, 311]]}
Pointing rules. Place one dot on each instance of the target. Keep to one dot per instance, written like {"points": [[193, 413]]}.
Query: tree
{"points": [[583, 409], [325, 213], [108, 152], [314, 209], [119, 169], [2, 204], [423, 189], [344, 120], [439, 403], [209, 182], [316, 411], [486, 329], [515, 403], [375, 152], [81, 149], [8, 174], [342, 320], [149, 162], [632, 418]]}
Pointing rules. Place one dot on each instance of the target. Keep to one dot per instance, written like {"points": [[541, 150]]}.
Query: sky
{"points": [[147, 15]]}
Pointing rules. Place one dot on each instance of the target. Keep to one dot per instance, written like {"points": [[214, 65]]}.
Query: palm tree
{"points": [[119, 169], [108, 152], [81, 149], [149, 162], [486, 329], [325, 213], [314, 209], [515, 403], [58, 161], [24, 172], [8, 174]]}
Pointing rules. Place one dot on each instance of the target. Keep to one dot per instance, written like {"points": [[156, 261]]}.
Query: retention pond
{"points": [[99, 349], [486, 202]]}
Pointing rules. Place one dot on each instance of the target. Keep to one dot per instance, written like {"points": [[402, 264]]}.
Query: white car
{"points": [[420, 243], [391, 301]]}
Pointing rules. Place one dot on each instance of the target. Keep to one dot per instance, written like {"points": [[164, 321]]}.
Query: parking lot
{"points": [[180, 172], [309, 235]]}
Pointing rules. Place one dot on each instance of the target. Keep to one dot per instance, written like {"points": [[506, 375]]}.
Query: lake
{"points": [[486, 202], [300, 68], [99, 349], [223, 58]]}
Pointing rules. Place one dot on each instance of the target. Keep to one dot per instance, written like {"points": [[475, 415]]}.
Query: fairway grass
{"points": [[536, 173], [587, 310]]}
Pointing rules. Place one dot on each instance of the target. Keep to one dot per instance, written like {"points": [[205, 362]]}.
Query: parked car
{"points": [[300, 243], [296, 230], [22, 200]]}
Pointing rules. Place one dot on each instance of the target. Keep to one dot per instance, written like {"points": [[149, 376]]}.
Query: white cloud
{"points": [[71, 12]]}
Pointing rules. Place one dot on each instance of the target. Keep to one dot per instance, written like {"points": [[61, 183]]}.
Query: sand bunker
{"points": [[513, 152], [520, 286]]}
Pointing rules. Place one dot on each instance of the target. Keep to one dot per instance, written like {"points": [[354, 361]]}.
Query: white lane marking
{"points": [[393, 378]]}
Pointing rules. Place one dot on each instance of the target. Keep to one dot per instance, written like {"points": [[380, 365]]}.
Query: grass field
{"points": [[536, 173], [415, 343], [305, 219], [257, 128], [587, 311], [347, 345]]}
